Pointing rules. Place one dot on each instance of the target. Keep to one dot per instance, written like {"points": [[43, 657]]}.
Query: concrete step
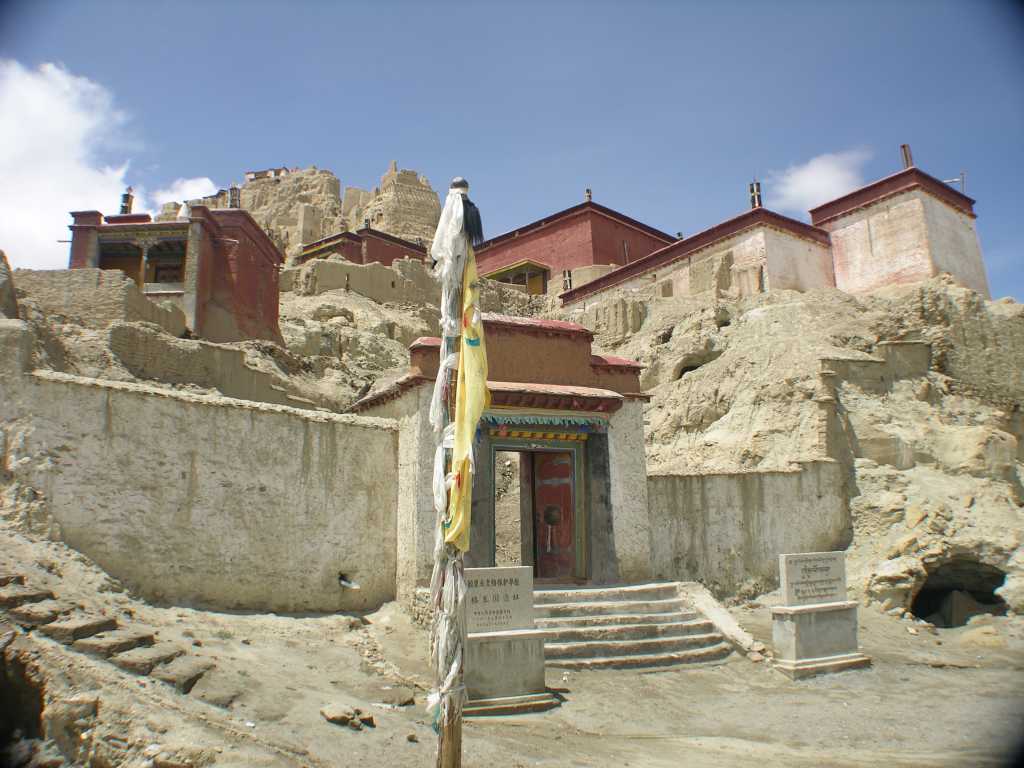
{"points": [[552, 610], [629, 631], [616, 648], [708, 653], [665, 591], [36, 614], [511, 705], [183, 672], [76, 627], [106, 644], [15, 594], [614, 619], [142, 660]]}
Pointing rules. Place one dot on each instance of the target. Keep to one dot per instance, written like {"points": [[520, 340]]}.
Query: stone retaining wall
{"points": [[200, 500], [727, 530], [95, 298]]}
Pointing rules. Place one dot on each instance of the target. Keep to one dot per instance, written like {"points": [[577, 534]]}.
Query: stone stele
{"points": [[813, 577], [815, 632], [504, 669]]}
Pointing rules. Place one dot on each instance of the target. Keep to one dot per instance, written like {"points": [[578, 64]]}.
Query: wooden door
{"points": [[554, 523]]}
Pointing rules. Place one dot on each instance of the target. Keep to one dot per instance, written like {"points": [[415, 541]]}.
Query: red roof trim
{"points": [[610, 361], [390, 392], [690, 245], [368, 231], [903, 181], [358, 236], [152, 226], [426, 342], [588, 205], [511, 393], [535, 325], [329, 240]]}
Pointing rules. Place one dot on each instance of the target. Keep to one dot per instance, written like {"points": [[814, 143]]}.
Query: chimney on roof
{"points": [[588, 195], [679, 235], [755, 194], [908, 159], [234, 196], [126, 201]]}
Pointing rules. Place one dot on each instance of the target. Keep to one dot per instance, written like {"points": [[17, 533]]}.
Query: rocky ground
{"points": [[942, 697]]}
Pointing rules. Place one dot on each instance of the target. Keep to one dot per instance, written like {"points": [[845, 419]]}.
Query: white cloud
{"points": [[825, 177], [53, 128], [181, 190]]}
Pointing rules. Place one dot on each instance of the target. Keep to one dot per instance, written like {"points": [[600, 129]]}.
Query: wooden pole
{"points": [[449, 736], [449, 747]]}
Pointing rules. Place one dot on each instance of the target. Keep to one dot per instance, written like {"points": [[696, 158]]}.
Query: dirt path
{"points": [[951, 698]]}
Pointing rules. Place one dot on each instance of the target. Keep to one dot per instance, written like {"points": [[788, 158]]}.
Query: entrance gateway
{"points": [[553, 509], [576, 421]]}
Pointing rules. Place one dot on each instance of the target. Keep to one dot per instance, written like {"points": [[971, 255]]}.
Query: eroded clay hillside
{"points": [[915, 391], [340, 339]]}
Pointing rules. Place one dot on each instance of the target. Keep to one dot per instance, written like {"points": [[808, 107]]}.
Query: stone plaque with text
{"points": [[810, 578], [499, 599]]}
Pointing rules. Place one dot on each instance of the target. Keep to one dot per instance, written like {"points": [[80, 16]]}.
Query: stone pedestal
{"points": [[814, 639], [504, 665], [816, 630]]}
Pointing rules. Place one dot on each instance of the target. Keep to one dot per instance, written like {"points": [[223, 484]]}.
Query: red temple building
{"points": [[567, 248], [218, 266], [363, 246]]}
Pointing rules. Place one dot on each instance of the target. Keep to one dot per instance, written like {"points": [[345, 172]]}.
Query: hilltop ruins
{"points": [[297, 206], [208, 534]]}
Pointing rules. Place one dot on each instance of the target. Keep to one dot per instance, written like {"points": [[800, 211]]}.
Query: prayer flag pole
{"points": [[462, 349]]}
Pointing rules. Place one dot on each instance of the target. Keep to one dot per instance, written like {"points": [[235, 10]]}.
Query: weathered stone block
{"points": [[142, 660], [70, 630], [17, 594], [183, 672], [108, 643]]}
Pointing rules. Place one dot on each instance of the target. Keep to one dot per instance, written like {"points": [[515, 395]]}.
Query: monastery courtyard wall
{"points": [[199, 499], [727, 530]]}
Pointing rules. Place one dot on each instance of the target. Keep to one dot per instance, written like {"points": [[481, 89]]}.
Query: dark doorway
{"points": [[123, 256], [537, 515], [957, 590]]}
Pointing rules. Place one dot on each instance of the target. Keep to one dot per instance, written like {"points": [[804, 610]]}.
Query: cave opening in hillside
{"points": [[21, 712], [958, 590], [685, 369], [691, 362]]}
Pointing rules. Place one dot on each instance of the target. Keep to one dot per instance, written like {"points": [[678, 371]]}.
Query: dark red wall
{"points": [[246, 276], [563, 244], [609, 235], [581, 239], [385, 251]]}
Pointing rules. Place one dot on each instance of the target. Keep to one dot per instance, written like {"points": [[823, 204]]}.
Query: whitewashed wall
{"points": [[192, 499]]}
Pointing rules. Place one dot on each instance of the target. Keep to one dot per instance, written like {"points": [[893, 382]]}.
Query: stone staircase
{"points": [[133, 647], [643, 625]]}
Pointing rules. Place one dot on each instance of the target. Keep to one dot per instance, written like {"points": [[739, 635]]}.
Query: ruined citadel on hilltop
{"points": [[297, 206]]}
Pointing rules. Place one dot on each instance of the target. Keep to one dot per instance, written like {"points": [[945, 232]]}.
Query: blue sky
{"points": [[666, 110]]}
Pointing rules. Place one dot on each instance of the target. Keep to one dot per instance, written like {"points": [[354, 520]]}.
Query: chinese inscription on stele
{"points": [[499, 599], [813, 577]]}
